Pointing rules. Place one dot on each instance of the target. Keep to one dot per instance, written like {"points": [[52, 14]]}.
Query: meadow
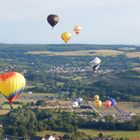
{"points": [[87, 53], [95, 133]]}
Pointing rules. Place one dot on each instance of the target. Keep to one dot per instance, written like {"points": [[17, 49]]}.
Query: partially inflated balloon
{"points": [[66, 36], [98, 103], [113, 102], [11, 85], [96, 97], [53, 19], [107, 103], [77, 29]]}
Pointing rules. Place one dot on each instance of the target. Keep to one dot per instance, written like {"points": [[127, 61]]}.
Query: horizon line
{"points": [[125, 44]]}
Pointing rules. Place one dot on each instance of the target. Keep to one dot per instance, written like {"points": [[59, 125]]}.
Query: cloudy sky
{"points": [[103, 21]]}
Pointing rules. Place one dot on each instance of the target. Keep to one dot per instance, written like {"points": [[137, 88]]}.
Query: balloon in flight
{"points": [[107, 103], [11, 85], [95, 63], [66, 36], [77, 29], [53, 19]]}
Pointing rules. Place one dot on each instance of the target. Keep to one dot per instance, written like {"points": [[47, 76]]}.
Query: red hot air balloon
{"points": [[107, 103]]}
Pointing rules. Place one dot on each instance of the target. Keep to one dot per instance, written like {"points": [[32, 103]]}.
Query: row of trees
{"points": [[26, 122]]}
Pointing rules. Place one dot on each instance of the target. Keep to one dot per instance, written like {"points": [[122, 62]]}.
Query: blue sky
{"points": [[103, 21]]}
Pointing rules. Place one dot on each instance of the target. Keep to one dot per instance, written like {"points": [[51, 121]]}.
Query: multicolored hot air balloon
{"points": [[77, 29], [11, 85], [66, 36], [107, 104], [96, 97], [98, 103], [53, 19]]}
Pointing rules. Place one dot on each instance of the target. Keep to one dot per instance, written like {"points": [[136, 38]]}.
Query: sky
{"points": [[102, 21]]}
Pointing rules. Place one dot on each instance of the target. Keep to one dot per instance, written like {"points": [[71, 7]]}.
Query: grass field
{"points": [[114, 134], [44, 133], [51, 103], [87, 53], [95, 133]]}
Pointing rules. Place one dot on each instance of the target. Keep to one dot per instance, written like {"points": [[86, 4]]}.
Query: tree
{"points": [[100, 135]]}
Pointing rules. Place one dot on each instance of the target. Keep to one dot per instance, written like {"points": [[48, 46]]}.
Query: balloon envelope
{"points": [[107, 103], [11, 85], [66, 36], [53, 19], [98, 103], [95, 63], [79, 100], [75, 104], [96, 97], [113, 102], [77, 29]]}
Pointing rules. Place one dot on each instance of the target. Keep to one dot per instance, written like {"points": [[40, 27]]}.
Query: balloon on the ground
{"points": [[96, 97], [53, 19], [77, 29], [75, 104], [98, 103], [66, 36], [113, 102], [95, 63], [79, 100], [107, 103], [11, 85]]}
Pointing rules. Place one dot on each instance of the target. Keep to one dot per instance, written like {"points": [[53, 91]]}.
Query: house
{"points": [[49, 137]]}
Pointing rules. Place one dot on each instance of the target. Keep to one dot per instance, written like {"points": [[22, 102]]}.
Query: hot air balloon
{"points": [[11, 85], [53, 19], [95, 63], [77, 29], [113, 102], [107, 103], [79, 100], [66, 36], [98, 103], [75, 104], [96, 97]]}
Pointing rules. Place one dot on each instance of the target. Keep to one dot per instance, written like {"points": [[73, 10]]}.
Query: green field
{"points": [[114, 134], [95, 133]]}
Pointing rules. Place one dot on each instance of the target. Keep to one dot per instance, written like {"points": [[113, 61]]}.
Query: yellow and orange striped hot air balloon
{"points": [[11, 85]]}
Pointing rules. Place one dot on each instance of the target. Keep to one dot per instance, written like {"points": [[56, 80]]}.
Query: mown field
{"points": [[114, 134], [63, 104], [95, 133], [87, 53]]}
